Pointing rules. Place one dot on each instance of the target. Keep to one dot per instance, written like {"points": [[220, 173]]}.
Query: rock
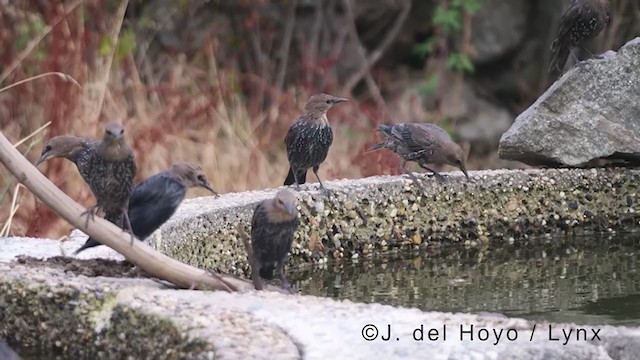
{"points": [[498, 27], [477, 120], [592, 112]]}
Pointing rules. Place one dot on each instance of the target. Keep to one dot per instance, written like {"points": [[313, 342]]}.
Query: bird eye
{"points": [[329, 101], [201, 178], [47, 148]]}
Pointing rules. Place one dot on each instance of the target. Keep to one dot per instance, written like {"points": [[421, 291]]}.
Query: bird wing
{"points": [[422, 136], [153, 202]]}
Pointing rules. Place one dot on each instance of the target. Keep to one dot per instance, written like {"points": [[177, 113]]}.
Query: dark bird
{"points": [[75, 149], [309, 138], [272, 227], [112, 168], [583, 20], [423, 143], [157, 198]]}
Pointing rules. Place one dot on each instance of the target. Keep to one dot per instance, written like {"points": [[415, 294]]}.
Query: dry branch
{"points": [[142, 255]]}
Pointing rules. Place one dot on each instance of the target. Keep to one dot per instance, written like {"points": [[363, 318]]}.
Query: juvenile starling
{"points": [[112, 168], [309, 138], [157, 198], [583, 20], [423, 143], [75, 149], [272, 227]]}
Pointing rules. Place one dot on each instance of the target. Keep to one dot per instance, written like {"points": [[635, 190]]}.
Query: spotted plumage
{"points": [[75, 149], [583, 20], [309, 139], [422, 143], [157, 198], [272, 227], [112, 168]]}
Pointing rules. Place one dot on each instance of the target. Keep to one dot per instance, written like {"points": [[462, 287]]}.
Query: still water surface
{"points": [[582, 280]]}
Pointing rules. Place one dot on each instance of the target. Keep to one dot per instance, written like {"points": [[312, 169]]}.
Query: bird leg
{"points": [[295, 177], [127, 222], [90, 213], [413, 177], [283, 279], [439, 178], [315, 171]]}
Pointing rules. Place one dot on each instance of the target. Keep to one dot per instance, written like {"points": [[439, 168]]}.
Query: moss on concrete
{"points": [[373, 217], [82, 323]]}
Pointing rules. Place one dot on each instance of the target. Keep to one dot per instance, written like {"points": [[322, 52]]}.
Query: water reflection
{"points": [[584, 280]]}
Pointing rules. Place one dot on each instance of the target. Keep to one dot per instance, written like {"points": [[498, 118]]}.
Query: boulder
{"points": [[592, 112]]}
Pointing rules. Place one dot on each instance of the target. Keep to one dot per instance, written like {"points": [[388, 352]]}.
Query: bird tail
{"points": [[87, 245], [559, 57], [114, 217], [266, 271], [290, 180], [387, 129], [376, 147]]}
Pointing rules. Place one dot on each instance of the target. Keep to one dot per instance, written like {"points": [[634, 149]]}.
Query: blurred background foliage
{"points": [[219, 82]]}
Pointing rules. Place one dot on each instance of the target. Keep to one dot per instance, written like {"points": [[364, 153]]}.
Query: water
{"points": [[582, 280]]}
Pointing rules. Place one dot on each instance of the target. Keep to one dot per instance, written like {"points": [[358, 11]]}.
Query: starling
{"points": [[157, 198], [423, 143], [583, 20], [272, 227], [309, 138], [112, 168], [75, 149]]}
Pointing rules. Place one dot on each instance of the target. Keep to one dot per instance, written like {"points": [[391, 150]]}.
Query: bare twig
{"points": [[377, 53], [63, 76], [115, 32], [6, 229], [139, 253], [286, 44]]}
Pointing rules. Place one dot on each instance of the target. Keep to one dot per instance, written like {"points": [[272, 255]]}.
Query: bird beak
{"points": [[464, 171], [208, 186], [339, 100], [42, 158], [291, 208]]}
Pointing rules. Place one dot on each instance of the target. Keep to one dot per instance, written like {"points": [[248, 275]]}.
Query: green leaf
{"points": [[430, 86], [126, 44], [460, 62], [424, 48], [104, 47], [447, 19]]}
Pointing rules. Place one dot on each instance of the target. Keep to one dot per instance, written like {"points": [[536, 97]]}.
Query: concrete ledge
{"points": [[373, 215], [56, 310]]}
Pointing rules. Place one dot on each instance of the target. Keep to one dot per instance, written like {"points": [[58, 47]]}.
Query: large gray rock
{"points": [[592, 112]]}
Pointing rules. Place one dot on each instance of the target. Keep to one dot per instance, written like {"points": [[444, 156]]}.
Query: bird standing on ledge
{"points": [[112, 168], [157, 198], [423, 143], [583, 20], [75, 149], [272, 227], [309, 138]]}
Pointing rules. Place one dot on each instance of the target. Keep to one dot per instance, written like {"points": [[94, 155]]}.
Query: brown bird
{"points": [[309, 138], [423, 143], [75, 149], [272, 227], [112, 168], [157, 198], [583, 20]]}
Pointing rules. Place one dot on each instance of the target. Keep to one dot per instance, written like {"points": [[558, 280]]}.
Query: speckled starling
{"points": [[112, 168], [583, 20], [75, 149], [272, 227], [423, 143], [157, 198], [309, 138]]}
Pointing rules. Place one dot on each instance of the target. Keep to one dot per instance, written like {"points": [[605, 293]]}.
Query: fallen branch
{"points": [[146, 258]]}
